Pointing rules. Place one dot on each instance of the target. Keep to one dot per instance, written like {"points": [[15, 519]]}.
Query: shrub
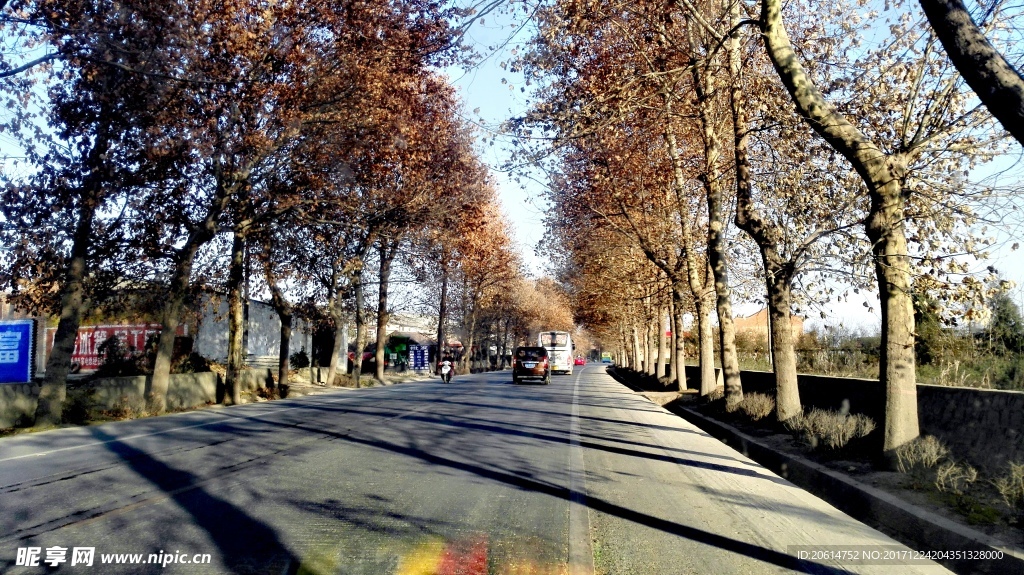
{"points": [[923, 452], [821, 427], [757, 405], [119, 359], [299, 359], [268, 393], [952, 476], [192, 363], [716, 394], [1011, 487], [1012, 376]]}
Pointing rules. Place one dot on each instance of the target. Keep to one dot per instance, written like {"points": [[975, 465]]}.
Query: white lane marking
{"points": [[229, 416], [581, 552]]}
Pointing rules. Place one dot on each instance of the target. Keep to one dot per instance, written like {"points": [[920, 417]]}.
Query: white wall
{"points": [[211, 338]]}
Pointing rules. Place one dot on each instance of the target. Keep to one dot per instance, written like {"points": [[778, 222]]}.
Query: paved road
{"points": [[479, 476]]}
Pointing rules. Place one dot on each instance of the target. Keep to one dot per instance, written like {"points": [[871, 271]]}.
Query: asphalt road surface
{"points": [[477, 476]]}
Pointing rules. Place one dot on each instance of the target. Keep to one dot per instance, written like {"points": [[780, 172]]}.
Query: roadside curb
{"points": [[919, 529]]}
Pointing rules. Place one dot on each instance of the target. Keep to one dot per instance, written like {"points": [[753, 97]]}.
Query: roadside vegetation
{"points": [[307, 153], [698, 153], [986, 356], [693, 153]]}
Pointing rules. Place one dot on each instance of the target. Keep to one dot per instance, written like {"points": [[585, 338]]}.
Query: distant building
{"points": [[411, 323], [757, 325]]}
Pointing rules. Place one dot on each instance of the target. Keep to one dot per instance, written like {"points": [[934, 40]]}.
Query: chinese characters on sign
{"points": [[418, 357], [87, 354], [16, 346]]}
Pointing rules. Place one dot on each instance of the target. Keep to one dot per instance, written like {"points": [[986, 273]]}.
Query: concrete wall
{"points": [[981, 426], [18, 402]]}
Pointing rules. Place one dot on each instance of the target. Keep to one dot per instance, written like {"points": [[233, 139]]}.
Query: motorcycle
{"points": [[446, 371]]}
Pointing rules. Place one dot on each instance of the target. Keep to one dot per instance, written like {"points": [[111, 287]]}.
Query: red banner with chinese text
{"points": [[90, 338]]}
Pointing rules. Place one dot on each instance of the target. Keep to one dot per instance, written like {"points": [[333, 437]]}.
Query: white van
{"points": [[560, 347]]}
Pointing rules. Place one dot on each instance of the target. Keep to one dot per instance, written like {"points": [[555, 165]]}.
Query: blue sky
{"points": [[482, 89]]}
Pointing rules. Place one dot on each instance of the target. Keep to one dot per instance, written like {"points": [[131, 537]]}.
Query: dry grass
{"points": [[954, 477], [757, 406], [821, 427], [126, 408], [1011, 487], [923, 453]]}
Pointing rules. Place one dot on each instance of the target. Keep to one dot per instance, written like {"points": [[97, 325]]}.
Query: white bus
{"points": [[559, 346]]}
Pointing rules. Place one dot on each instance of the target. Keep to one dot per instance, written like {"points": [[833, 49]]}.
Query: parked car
{"points": [[581, 361], [369, 358], [531, 363]]}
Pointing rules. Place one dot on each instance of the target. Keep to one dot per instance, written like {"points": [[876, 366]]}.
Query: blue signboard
{"points": [[419, 357], [16, 348]]}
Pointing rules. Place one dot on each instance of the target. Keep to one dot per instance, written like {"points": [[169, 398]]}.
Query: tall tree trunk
{"points": [[662, 325], [470, 355], [718, 258], [337, 312], [622, 353], [312, 356], [884, 176], [503, 337], [635, 359], [387, 250], [174, 307], [673, 340], [650, 344], [897, 364], [787, 392], [679, 337], [778, 275], [156, 392], [284, 311], [50, 405], [693, 268], [236, 276], [357, 290], [335, 307], [706, 88], [442, 311], [706, 336], [778, 282]]}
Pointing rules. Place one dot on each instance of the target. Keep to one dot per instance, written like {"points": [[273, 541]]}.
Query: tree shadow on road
{"points": [[245, 543], [528, 482]]}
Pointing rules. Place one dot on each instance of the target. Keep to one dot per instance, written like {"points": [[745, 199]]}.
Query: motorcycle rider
{"points": [[446, 367]]}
